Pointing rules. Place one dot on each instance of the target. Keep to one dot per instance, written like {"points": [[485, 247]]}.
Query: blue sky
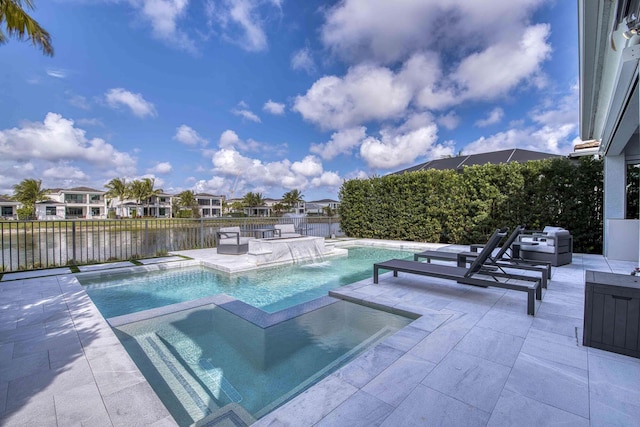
{"points": [[231, 96]]}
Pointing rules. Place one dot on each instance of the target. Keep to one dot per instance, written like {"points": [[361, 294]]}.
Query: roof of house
{"points": [[493, 157], [77, 189], [5, 200], [323, 201], [206, 195]]}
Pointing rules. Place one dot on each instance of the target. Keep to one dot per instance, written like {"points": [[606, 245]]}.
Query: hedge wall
{"points": [[465, 207]]}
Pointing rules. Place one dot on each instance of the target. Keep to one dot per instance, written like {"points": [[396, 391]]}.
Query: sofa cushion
{"points": [[547, 249]]}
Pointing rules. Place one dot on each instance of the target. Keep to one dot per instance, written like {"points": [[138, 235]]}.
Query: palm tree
{"points": [[188, 200], [137, 191], [292, 198], [252, 200], [149, 191], [19, 24], [28, 192], [278, 208], [118, 187]]}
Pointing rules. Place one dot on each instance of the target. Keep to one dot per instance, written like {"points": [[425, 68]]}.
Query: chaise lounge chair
{"points": [[478, 274], [501, 259]]}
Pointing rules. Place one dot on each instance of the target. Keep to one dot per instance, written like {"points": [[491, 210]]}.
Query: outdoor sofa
{"points": [[286, 230], [552, 244]]}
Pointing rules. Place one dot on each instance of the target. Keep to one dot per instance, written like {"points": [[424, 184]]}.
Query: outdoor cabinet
{"points": [[612, 312]]}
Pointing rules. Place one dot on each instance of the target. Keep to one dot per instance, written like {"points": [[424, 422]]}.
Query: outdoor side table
{"points": [[263, 232], [612, 312]]}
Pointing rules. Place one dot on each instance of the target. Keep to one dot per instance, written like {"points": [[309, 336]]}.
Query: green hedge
{"points": [[465, 207]]}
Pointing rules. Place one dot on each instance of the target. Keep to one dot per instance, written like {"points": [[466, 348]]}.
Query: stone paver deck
{"points": [[474, 358]]}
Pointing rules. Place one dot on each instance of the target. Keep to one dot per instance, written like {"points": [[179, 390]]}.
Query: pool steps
{"points": [[200, 404]]}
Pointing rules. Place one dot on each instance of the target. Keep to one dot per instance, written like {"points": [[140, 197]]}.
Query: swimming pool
{"points": [[202, 371], [270, 289]]}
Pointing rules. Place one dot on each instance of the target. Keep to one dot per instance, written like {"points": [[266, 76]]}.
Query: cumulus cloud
{"points": [[188, 136], [341, 142], [494, 116], [230, 139], [274, 108], [163, 16], [309, 166], [399, 146], [303, 60], [64, 172], [358, 30], [450, 120], [161, 168], [119, 97], [370, 92], [242, 21], [330, 180], [57, 142], [366, 93], [79, 102], [500, 67]]}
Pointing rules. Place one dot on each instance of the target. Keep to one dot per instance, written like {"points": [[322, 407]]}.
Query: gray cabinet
{"points": [[612, 312]]}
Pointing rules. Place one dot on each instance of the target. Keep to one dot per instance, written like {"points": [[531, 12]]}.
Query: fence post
{"points": [[73, 240], [146, 237], [201, 233], [330, 233]]}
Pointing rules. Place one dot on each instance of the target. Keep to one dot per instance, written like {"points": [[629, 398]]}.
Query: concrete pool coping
{"points": [[60, 362]]}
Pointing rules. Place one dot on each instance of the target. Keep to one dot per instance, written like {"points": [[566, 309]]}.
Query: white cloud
{"points": [[497, 69], [370, 92], [395, 147], [365, 93], [245, 113], [134, 101], [357, 30], [327, 179], [450, 120], [79, 102], [56, 140], [242, 22], [230, 139], [309, 166], [188, 136], [554, 130], [341, 142], [303, 60], [161, 168], [274, 108], [64, 172], [163, 15], [494, 117], [57, 73], [215, 185]]}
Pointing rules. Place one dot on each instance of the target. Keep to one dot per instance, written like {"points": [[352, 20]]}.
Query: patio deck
{"points": [[474, 358]]}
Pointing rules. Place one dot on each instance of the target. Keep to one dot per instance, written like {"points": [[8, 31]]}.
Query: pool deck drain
{"points": [[474, 358]]}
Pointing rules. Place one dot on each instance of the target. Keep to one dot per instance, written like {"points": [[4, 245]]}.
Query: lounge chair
{"points": [[230, 241], [478, 274], [286, 230], [500, 260]]}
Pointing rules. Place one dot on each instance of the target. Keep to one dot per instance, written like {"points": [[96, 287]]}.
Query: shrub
{"points": [[465, 207]]}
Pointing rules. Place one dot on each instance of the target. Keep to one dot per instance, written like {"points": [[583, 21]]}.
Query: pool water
{"points": [[270, 289], [198, 367]]}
